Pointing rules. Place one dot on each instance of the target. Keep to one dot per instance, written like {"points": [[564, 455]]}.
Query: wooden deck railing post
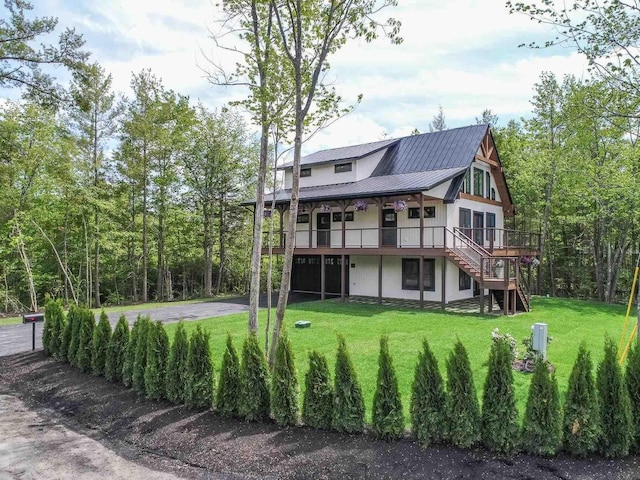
{"points": [[322, 277], [421, 280]]}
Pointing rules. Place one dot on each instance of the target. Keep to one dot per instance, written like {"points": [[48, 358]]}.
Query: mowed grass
{"points": [[570, 322]]}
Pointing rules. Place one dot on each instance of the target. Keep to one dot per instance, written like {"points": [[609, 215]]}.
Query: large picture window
{"points": [[487, 185], [464, 280], [491, 225], [411, 274]]}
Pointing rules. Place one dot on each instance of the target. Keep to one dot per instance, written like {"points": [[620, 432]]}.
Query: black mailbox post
{"points": [[33, 318]]}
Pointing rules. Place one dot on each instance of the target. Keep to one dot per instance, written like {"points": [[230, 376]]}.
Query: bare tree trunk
{"points": [[87, 259], [96, 266], [132, 259], [27, 266], [208, 250], [6, 288], [145, 240], [222, 239], [270, 258], [160, 287]]}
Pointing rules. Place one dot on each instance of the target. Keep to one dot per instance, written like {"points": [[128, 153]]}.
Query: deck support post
{"points": [[444, 282], [490, 306], [343, 207], [343, 276], [380, 280], [311, 229], [421, 220], [505, 302], [322, 277], [421, 280], [481, 299]]}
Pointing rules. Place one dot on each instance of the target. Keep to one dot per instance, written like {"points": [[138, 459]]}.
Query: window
{"points": [[464, 280], [429, 212], [478, 182], [342, 167], [302, 218], [493, 193], [466, 183], [305, 172], [348, 216], [488, 185], [491, 225], [411, 272]]}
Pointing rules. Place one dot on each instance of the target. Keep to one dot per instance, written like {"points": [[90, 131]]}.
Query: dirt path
{"points": [[200, 444]]}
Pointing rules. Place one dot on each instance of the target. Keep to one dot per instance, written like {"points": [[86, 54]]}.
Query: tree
{"points": [[615, 410], [100, 344], [65, 339], [255, 405], [461, 406], [177, 366], [388, 418], [581, 426], [317, 405], [140, 358], [488, 118], [499, 423], [130, 356], [438, 124], [54, 327], [75, 320], [541, 429], [348, 407], [156, 366], [632, 378], [284, 385], [427, 399], [200, 387], [84, 354], [117, 351], [228, 398]]}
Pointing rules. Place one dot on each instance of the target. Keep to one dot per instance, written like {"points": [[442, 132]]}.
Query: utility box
{"points": [[303, 324], [539, 343]]}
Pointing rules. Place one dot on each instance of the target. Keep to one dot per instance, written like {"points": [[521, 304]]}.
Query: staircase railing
{"points": [[465, 248]]}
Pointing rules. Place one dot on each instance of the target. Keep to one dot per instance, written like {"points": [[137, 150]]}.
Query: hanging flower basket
{"points": [[399, 205], [325, 208], [526, 260], [360, 206], [267, 213]]}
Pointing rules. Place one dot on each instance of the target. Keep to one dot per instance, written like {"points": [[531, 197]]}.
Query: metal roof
{"points": [[342, 153]]}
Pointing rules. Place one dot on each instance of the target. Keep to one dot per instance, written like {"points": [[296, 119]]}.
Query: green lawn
{"points": [[570, 322]]}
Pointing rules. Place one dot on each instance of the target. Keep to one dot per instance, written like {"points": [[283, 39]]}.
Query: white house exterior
{"points": [[360, 232]]}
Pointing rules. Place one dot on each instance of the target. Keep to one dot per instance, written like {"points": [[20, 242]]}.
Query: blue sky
{"points": [[461, 54]]}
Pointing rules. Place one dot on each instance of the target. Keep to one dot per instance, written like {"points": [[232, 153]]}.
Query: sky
{"points": [[461, 54]]}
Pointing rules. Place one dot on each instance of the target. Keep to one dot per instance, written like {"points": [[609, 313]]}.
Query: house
{"points": [[419, 218]]}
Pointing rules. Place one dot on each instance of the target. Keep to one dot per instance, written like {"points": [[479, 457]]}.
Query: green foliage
{"points": [[541, 429], [388, 419], [67, 333], [348, 407], [140, 359], [156, 365], [177, 366], [499, 424], [117, 351], [200, 388], [84, 354], [75, 313], [615, 411], [254, 373], [632, 378], [427, 399], [54, 326], [461, 405], [101, 338], [317, 404], [230, 385], [284, 384], [130, 355], [581, 425]]}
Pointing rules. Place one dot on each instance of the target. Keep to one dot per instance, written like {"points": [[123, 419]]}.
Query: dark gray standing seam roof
{"points": [[342, 153]]}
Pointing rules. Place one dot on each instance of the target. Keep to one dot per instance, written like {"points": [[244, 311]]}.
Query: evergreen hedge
{"points": [[541, 429], [199, 390], [427, 399], [615, 411], [580, 424], [76, 313], [230, 384], [84, 355], [499, 423], [284, 384], [255, 404], [632, 378], [101, 338], [461, 405], [54, 325], [388, 419], [177, 366], [317, 404], [117, 351], [130, 355], [140, 359], [70, 325], [348, 407], [156, 364]]}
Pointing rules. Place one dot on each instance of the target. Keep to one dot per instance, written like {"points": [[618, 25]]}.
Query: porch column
{"points": [[421, 220], [343, 207], [421, 280], [311, 229], [379, 205], [343, 277], [481, 299], [505, 302], [322, 277], [380, 280], [444, 282]]}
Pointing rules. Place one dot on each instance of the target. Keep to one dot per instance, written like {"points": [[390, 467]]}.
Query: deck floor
{"points": [[468, 305]]}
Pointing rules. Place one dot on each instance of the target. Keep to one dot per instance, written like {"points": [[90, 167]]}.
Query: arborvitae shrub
{"points": [[117, 350], [284, 384], [615, 411], [255, 404], [130, 355], [581, 424], [72, 352], [348, 407], [230, 385], [65, 342], [461, 406], [53, 327], [84, 355], [388, 419], [101, 338], [317, 405], [633, 386], [156, 365], [177, 366], [427, 399], [541, 429], [499, 424], [199, 391], [140, 360]]}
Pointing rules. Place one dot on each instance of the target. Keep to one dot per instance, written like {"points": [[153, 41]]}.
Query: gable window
{"points": [[305, 172], [466, 183], [411, 272], [488, 185], [342, 167], [493, 193], [478, 182], [429, 212], [348, 216], [491, 225], [464, 280], [302, 218]]}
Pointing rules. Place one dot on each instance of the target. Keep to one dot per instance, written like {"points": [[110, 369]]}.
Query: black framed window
{"points": [[302, 218], [343, 167], [464, 280], [478, 182], [466, 183], [491, 225], [429, 212], [411, 274], [493, 193], [348, 216], [305, 172], [487, 185]]}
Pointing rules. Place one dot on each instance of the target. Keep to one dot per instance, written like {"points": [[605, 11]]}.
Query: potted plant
{"points": [[399, 205], [360, 206]]}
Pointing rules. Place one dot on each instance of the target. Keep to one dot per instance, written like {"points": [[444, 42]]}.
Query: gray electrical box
{"points": [[540, 339]]}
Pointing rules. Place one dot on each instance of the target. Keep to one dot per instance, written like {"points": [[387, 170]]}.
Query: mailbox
{"points": [[33, 317], [539, 343]]}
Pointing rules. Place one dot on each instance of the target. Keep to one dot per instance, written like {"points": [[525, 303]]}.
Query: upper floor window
{"points": [[305, 172], [466, 183], [488, 185], [493, 193], [478, 182], [429, 212], [343, 167]]}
